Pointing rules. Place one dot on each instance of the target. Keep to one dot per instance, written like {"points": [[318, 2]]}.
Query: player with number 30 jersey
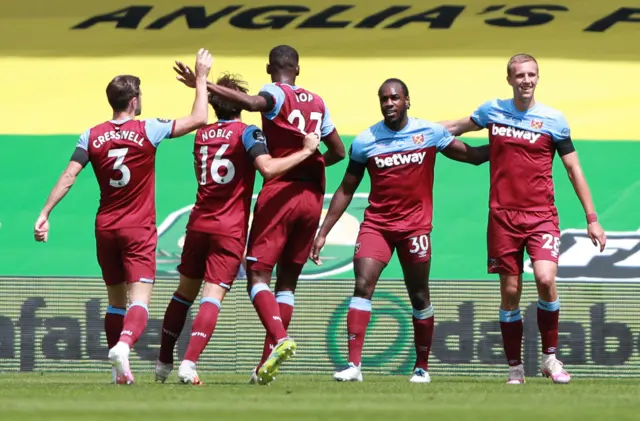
{"points": [[226, 155], [399, 153], [122, 153]]}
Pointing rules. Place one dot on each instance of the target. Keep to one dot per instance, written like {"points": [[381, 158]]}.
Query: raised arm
{"points": [[200, 111], [262, 102], [339, 204]]}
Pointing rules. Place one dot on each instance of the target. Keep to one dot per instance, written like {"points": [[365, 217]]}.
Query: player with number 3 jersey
{"points": [[122, 153], [226, 155], [524, 136], [399, 153]]}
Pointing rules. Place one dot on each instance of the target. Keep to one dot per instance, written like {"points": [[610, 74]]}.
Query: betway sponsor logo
{"points": [[515, 133], [400, 159]]}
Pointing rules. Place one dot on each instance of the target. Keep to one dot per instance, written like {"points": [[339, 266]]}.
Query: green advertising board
{"points": [[460, 212]]}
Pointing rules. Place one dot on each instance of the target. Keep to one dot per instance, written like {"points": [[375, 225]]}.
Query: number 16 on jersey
{"points": [[222, 170]]}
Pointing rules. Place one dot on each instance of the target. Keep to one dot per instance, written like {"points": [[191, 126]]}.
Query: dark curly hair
{"points": [[226, 110]]}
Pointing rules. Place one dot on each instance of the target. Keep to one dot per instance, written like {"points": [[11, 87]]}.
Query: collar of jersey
{"points": [[124, 120]]}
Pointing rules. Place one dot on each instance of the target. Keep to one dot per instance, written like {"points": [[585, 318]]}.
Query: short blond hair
{"points": [[520, 58]]}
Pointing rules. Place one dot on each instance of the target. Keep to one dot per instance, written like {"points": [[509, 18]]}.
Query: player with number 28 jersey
{"points": [[524, 136]]}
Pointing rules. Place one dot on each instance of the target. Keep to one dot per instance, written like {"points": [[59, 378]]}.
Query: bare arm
{"points": [[574, 171], [61, 188], [460, 151], [339, 204], [459, 127], [335, 149], [254, 103], [200, 111], [271, 167]]}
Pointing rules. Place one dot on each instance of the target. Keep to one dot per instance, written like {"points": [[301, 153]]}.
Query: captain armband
{"points": [[565, 147]]}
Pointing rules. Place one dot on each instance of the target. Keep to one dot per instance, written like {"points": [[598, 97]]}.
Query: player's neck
{"points": [[522, 104], [123, 115], [398, 125], [282, 78]]}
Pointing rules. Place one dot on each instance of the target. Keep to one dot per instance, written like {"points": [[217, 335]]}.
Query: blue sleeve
{"points": [[278, 96], [251, 136], [560, 128], [158, 129], [442, 137], [481, 115], [83, 141], [327, 123], [357, 151]]}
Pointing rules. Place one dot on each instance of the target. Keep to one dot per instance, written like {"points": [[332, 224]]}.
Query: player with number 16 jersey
{"points": [[226, 154], [288, 209]]}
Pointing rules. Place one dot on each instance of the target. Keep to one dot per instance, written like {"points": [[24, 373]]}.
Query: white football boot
{"points": [[516, 374], [187, 373], [119, 357], [420, 375], [351, 373], [552, 367]]}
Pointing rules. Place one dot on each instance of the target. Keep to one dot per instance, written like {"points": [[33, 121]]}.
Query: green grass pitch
{"points": [[300, 397]]}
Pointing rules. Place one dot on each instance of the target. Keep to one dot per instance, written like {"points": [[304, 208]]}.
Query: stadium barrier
{"points": [[56, 324]]}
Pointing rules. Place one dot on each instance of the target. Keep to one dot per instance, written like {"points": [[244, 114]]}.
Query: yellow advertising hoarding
{"points": [[59, 56]]}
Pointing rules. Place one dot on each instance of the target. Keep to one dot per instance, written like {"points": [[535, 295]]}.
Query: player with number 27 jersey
{"points": [[287, 212]]}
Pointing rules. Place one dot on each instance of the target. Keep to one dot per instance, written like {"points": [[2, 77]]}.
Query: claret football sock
{"points": [[203, 327], [511, 327], [548, 316], [358, 318], [423, 323], [174, 319], [267, 308], [113, 321]]}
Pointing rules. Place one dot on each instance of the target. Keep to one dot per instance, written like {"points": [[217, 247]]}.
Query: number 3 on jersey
{"points": [[119, 154], [217, 165]]}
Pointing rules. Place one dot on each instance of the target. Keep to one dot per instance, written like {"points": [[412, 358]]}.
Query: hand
{"points": [[311, 142], [185, 74], [41, 229], [203, 63], [318, 243], [597, 235]]}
